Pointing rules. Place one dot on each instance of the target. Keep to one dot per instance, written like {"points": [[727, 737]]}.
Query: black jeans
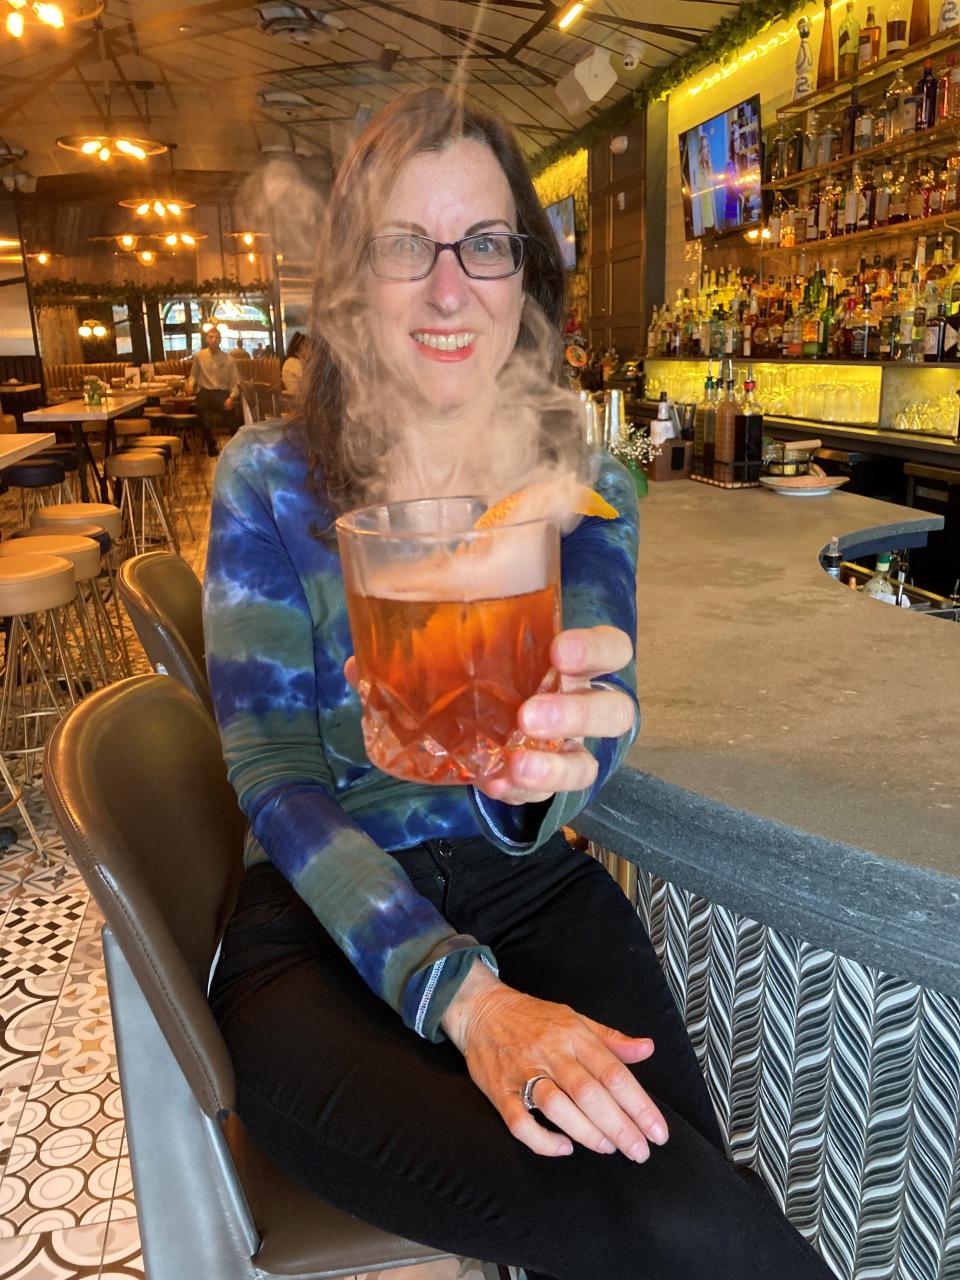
{"points": [[210, 409], [391, 1128]]}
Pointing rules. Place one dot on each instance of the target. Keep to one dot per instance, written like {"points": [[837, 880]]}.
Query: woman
{"points": [[292, 371], [442, 1017]]}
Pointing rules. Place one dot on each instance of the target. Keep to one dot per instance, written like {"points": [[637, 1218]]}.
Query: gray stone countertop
{"points": [[770, 687]]}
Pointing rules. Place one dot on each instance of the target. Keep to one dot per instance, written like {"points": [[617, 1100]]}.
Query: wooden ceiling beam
{"points": [[51, 76]]}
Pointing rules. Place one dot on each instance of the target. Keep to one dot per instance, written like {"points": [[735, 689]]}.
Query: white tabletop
{"points": [[77, 411], [16, 446]]}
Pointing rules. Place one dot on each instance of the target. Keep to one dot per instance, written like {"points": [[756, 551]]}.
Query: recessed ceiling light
{"points": [[183, 27]]}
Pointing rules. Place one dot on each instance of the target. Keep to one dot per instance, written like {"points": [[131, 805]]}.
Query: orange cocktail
{"points": [[451, 629]]}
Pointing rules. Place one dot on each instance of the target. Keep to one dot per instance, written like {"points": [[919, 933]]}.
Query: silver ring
{"points": [[526, 1095]]}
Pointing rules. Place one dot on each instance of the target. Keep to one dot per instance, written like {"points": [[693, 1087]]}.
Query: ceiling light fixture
{"points": [[570, 15], [92, 329], [106, 146], [160, 206], [181, 239], [43, 258], [247, 239], [127, 241], [46, 14], [147, 257]]}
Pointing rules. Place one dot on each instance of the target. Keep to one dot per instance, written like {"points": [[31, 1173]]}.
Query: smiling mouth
{"points": [[444, 341]]}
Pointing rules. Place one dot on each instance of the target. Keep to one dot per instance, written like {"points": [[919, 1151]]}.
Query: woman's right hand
{"points": [[507, 1038]]}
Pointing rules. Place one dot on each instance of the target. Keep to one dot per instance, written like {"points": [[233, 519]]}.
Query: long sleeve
{"points": [[269, 662], [598, 572], [234, 378]]}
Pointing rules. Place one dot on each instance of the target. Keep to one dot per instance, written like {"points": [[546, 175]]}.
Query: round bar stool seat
{"points": [[93, 531], [128, 446], [34, 583], [65, 515], [135, 464], [83, 553], [38, 473], [173, 443], [130, 426]]}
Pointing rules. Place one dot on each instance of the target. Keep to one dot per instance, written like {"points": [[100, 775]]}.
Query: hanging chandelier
{"points": [[20, 12], [106, 146], [180, 239], [92, 329], [156, 206]]}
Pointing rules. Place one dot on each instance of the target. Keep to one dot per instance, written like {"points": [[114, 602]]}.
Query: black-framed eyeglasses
{"points": [[491, 255]]}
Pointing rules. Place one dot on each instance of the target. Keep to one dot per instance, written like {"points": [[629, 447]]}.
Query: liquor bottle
{"points": [[653, 334], [896, 27], [863, 130], [898, 199], [810, 141], [866, 203], [949, 15], [803, 82], [825, 212], [851, 201], [890, 327], [897, 90], [865, 340], [868, 50], [702, 412], [918, 196], [848, 132], [748, 433], [919, 21], [934, 340], [879, 586], [935, 203], [710, 431], [826, 70], [919, 329], [826, 324], [833, 558], [881, 209], [849, 43], [788, 228], [726, 433], [927, 93], [810, 326], [778, 152], [825, 143], [813, 211], [775, 220]]}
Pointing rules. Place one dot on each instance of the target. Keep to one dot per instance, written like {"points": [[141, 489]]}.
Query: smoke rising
{"points": [[358, 413]]}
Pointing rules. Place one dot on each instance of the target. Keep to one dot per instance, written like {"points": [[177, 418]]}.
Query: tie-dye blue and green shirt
{"points": [[277, 638]]}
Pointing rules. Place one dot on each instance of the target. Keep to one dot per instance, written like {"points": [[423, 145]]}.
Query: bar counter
{"points": [[788, 826]]}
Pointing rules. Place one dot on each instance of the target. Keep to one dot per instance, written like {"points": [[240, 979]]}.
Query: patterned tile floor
{"points": [[66, 1196]]}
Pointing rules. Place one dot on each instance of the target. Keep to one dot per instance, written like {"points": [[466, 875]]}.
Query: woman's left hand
{"points": [[576, 711]]}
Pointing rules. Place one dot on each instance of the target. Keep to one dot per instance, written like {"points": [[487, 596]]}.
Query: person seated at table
{"points": [[442, 1017], [213, 376], [292, 372]]}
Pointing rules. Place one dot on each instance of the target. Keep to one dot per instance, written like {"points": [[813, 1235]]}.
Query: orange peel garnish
{"points": [[587, 502]]}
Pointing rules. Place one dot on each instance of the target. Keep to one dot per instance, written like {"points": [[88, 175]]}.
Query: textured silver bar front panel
{"points": [[839, 1083]]}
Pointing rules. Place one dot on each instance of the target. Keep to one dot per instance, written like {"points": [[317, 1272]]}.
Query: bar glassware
{"points": [[451, 630]]}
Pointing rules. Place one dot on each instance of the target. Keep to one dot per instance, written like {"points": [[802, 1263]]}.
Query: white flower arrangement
{"points": [[635, 448]]}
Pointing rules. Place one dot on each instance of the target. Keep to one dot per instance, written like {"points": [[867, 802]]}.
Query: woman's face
{"points": [[446, 195]]}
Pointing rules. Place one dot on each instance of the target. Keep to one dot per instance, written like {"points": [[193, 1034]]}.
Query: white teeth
{"points": [[444, 341]]}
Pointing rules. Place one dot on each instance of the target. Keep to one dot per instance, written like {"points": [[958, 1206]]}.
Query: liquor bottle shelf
{"points": [[943, 133], [913, 55], [912, 226]]}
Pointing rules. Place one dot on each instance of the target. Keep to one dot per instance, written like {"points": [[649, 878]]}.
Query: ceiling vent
{"points": [[284, 104], [298, 24]]}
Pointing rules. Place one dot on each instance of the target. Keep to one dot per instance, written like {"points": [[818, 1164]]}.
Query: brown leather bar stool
{"points": [[138, 787], [172, 446], [66, 455], [39, 678], [187, 426], [73, 517], [92, 637], [146, 521]]}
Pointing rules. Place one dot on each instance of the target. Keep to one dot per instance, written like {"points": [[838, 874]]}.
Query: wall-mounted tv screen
{"points": [[720, 171], [561, 217]]}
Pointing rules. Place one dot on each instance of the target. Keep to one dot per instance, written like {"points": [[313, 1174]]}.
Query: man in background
{"points": [[213, 376]]}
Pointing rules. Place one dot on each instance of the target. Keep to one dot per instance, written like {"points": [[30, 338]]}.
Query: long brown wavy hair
{"points": [[341, 374]]}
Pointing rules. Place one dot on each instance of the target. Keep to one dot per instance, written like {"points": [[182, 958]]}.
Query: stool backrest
{"points": [[164, 599], [135, 777]]}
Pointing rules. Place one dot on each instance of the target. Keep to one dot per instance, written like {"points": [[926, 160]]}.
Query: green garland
{"points": [[726, 39], [55, 292]]}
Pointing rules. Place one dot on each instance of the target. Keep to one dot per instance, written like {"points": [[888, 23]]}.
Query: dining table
{"points": [[12, 397], [73, 414], [23, 444]]}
